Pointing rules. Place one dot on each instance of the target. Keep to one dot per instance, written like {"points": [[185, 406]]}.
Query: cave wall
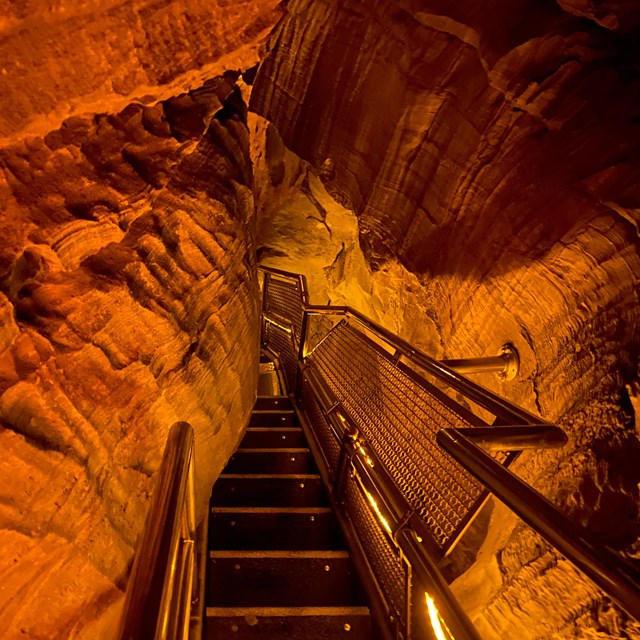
{"points": [[490, 153], [59, 58], [130, 302], [129, 293]]}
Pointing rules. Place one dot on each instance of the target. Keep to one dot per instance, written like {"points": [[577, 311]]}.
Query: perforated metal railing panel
{"points": [[284, 299], [399, 418], [280, 342], [387, 565], [326, 438]]}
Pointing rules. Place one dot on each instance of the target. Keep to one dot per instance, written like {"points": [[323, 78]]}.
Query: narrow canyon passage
{"points": [[465, 176]]}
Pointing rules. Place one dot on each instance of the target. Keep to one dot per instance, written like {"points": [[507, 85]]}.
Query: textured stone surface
{"points": [[64, 57], [491, 153], [129, 301]]}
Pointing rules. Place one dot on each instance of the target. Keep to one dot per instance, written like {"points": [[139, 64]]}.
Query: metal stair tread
{"points": [[260, 476], [271, 429], [260, 510], [286, 611], [272, 450], [277, 554], [261, 412]]}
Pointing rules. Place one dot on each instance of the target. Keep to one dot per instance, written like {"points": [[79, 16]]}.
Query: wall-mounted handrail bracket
{"points": [[505, 365]]}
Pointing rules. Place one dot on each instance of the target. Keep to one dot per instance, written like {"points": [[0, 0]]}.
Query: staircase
{"points": [[278, 566], [408, 450]]}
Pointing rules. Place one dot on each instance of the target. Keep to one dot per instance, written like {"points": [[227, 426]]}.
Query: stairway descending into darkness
{"points": [[279, 567]]}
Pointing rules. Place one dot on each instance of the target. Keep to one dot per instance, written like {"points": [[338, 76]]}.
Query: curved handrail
{"points": [[157, 602], [455, 380], [616, 577]]}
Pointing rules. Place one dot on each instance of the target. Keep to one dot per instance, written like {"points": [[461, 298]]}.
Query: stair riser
{"points": [[274, 531], [272, 438], [278, 582], [268, 492], [277, 419], [289, 627], [273, 404], [270, 462]]}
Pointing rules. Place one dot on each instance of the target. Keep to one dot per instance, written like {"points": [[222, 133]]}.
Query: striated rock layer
{"points": [[491, 152], [129, 301], [63, 57]]}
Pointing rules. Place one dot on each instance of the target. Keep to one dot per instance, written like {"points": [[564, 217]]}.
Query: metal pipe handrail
{"points": [[617, 578], [472, 391], [516, 437], [396, 517], [280, 272], [446, 370], [607, 569], [158, 595]]}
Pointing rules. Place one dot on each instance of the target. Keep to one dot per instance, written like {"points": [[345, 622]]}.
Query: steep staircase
{"points": [[278, 566]]}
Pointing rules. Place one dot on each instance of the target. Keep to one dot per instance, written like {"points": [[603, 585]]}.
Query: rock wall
{"points": [[490, 153], [59, 58], [129, 301]]}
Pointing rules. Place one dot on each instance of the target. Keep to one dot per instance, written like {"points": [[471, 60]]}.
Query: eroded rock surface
{"points": [[490, 153], [63, 57], [129, 301]]}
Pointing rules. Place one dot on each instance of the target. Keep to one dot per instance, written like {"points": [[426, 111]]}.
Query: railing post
{"points": [[506, 364], [347, 450], [265, 307], [301, 353]]}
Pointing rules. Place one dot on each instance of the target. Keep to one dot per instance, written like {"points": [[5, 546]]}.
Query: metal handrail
{"points": [[474, 392], [441, 369], [617, 578], [158, 599], [394, 513]]}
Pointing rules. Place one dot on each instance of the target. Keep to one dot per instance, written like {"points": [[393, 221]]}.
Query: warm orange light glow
{"points": [[439, 627], [376, 509], [363, 452]]}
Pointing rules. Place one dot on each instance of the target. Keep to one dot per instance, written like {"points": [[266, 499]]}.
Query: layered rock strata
{"points": [[62, 58], [129, 301], [490, 153]]}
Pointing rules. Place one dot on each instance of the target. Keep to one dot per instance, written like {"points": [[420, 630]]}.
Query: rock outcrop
{"points": [[62, 58], [130, 302], [490, 153]]}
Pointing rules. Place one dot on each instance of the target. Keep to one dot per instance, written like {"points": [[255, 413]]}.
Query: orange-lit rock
{"points": [[129, 302], [491, 153], [62, 57]]}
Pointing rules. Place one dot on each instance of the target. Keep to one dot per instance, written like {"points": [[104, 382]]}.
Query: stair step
{"points": [[272, 437], [292, 623], [276, 418], [282, 578], [269, 490], [272, 403], [274, 528], [277, 461]]}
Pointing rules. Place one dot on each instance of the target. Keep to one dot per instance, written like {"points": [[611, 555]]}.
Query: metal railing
{"points": [[617, 578], [394, 433], [159, 594]]}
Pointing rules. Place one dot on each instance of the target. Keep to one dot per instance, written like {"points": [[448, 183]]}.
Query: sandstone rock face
{"points": [[491, 153], [129, 301], [63, 57]]}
